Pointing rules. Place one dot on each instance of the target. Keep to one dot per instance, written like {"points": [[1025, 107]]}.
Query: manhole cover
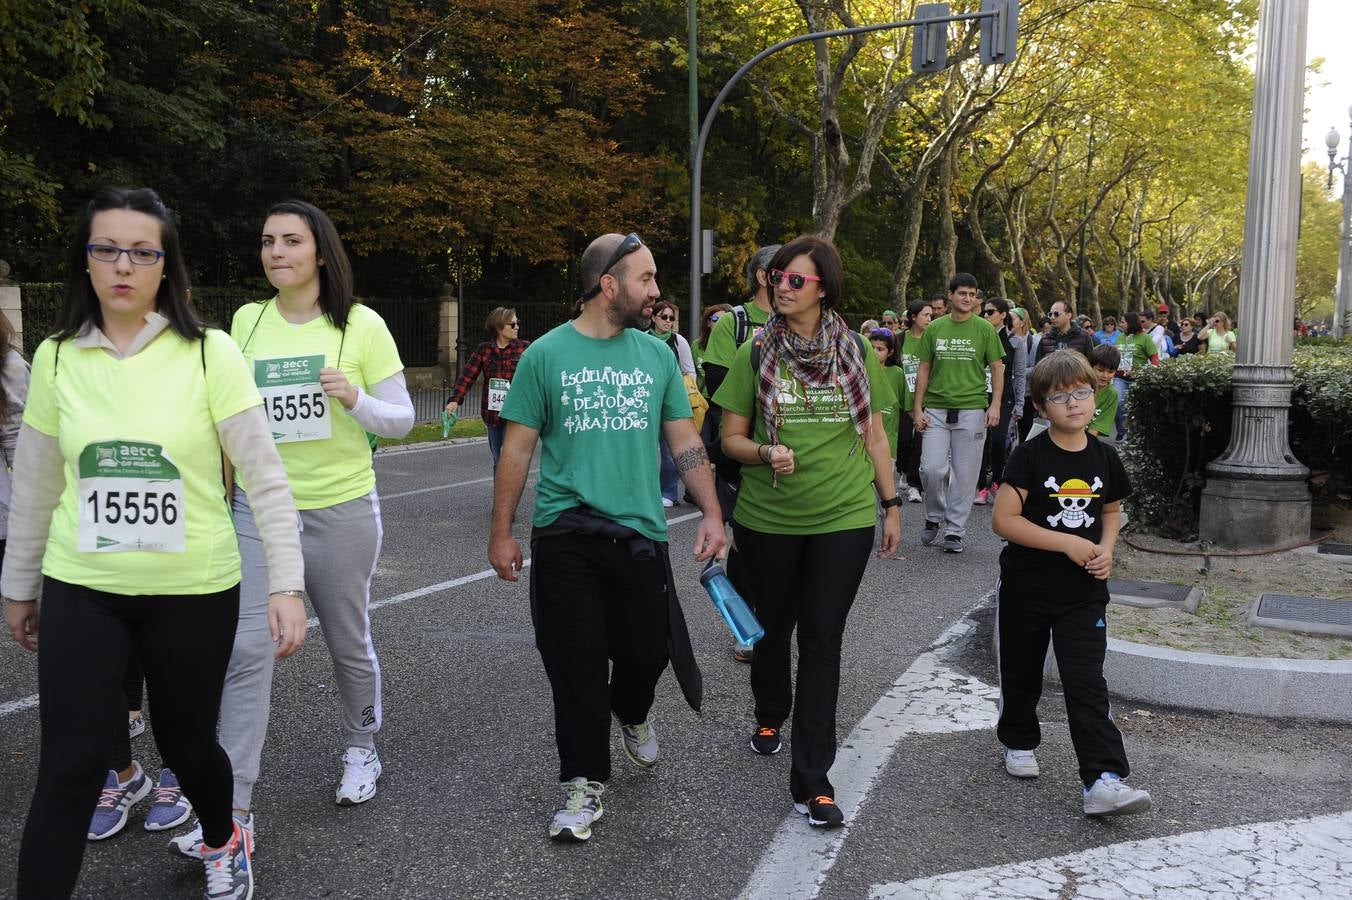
{"points": [[1336, 549], [1153, 594], [1152, 590], [1314, 614]]}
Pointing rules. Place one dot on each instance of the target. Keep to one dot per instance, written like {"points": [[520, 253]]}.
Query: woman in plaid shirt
{"points": [[497, 359]]}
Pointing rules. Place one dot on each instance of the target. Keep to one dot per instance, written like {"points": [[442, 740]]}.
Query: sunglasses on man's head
{"points": [[796, 279], [630, 244]]}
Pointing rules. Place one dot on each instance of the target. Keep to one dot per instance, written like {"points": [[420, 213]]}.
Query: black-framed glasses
{"points": [[1061, 398], [630, 244], [513, 324], [1053, 315], [665, 317], [139, 256], [796, 280], [989, 312]]}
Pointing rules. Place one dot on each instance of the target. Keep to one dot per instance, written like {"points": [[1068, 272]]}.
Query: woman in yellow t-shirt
{"points": [[328, 372], [119, 517]]}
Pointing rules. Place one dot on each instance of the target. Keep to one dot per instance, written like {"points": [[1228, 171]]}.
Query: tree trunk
{"points": [[948, 235], [912, 216]]}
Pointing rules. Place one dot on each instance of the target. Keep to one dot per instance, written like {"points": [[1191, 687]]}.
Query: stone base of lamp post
{"points": [[1241, 514], [1257, 494]]}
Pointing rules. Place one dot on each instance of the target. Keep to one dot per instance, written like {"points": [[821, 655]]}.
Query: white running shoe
{"points": [[1111, 796], [229, 869], [361, 770], [913, 495], [1021, 763], [640, 743], [189, 846], [583, 807]]}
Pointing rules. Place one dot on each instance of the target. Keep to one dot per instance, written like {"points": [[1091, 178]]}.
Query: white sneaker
{"points": [[189, 846], [361, 769], [574, 821], [1021, 763], [913, 495], [1111, 796], [640, 743], [668, 503]]}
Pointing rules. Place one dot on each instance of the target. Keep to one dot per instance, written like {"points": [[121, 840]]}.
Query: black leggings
{"points": [[808, 580], [133, 694], [86, 638], [908, 450]]}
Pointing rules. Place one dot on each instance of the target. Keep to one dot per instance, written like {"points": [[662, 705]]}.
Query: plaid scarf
{"points": [[830, 359]]}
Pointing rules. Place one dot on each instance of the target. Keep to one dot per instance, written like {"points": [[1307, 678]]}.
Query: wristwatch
{"points": [[890, 502]]}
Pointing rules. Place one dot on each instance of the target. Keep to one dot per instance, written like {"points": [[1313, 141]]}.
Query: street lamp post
{"points": [[1342, 304], [1256, 495]]}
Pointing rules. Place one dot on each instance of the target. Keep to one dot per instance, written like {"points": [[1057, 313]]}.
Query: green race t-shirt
{"points": [[599, 406], [958, 354], [723, 339], [143, 510], [831, 488], [895, 379], [910, 365], [325, 451], [1136, 350], [1105, 412]]}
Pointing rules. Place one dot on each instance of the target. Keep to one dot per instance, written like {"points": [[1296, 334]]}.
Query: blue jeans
{"points": [[495, 433], [667, 473]]}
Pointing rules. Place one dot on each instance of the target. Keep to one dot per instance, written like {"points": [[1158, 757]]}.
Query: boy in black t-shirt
{"points": [[1059, 508]]}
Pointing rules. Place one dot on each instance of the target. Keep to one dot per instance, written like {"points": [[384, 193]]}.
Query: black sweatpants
{"points": [[1025, 619], [86, 636], [908, 450], [994, 453], [807, 580], [592, 604], [133, 684]]}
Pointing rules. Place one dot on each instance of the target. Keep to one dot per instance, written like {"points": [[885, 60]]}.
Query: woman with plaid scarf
{"points": [[801, 413]]}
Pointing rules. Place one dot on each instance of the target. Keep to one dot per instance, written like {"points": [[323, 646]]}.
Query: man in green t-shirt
{"points": [[595, 392], [952, 411]]}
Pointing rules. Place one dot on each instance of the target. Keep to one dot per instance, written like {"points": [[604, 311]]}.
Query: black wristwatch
{"points": [[890, 502]]}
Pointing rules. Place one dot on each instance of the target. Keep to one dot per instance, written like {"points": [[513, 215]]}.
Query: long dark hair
{"points": [[1133, 322], [82, 304], [335, 275]]}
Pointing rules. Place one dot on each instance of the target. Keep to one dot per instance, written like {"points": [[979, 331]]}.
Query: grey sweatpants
{"points": [[340, 544], [958, 448]]}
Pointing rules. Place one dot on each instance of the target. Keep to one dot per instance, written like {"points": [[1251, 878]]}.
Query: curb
{"points": [[427, 445], [1314, 689]]}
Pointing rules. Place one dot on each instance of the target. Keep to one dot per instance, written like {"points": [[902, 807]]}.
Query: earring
{"points": [[87, 272]]}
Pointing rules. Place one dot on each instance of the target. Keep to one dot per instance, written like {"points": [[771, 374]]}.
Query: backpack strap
{"points": [[741, 324]]}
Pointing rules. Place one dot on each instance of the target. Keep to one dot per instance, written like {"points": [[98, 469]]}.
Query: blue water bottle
{"points": [[741, 620]]}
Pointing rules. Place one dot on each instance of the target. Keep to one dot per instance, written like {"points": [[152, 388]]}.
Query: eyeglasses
{"points": [[139, 256], [1063, 397], [1053, 315], [630, 244], [714, 318], [513, 324], [665, 317], [989, 312], [796, 279], [880, 333]]}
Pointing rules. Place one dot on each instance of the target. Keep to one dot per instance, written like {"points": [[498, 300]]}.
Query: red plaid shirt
{"points": [[494, 362]]}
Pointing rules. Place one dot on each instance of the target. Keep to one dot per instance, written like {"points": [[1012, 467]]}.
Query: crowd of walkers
{"points": [[176, 495]]}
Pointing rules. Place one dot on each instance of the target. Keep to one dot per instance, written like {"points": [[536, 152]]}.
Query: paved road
{"points": [[470, 765]]}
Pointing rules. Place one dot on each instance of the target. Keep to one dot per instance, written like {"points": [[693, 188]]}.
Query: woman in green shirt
{"points": [[801, 413], [919, 314], [1217, 337], [1136, 348]]}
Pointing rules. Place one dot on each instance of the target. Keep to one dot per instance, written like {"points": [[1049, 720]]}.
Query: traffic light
{"points": [[999, 33], [929, 45]]}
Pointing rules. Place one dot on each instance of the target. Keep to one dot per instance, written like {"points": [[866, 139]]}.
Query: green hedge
{"points": [[1179, 417]]}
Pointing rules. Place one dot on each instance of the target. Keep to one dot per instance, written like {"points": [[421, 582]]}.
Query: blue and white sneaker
{"points": [[1111, 796], [229, 869], [116, 802], [168, 808]]}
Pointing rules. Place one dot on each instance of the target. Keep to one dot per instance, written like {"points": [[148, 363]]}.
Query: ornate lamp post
{"points": [[1342, 304], [1256, 493]]}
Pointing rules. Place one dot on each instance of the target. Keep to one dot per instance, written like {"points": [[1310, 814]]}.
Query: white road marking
{"points": [[1295, 858], [396, 450], [29, 702], [928, 698]]}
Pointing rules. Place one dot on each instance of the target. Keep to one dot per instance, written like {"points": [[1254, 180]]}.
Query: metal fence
{"points": [[429, 402], [414, 323]]}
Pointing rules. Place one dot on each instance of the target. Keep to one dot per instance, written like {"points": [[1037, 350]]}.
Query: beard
{"points": [[627, 311]]}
